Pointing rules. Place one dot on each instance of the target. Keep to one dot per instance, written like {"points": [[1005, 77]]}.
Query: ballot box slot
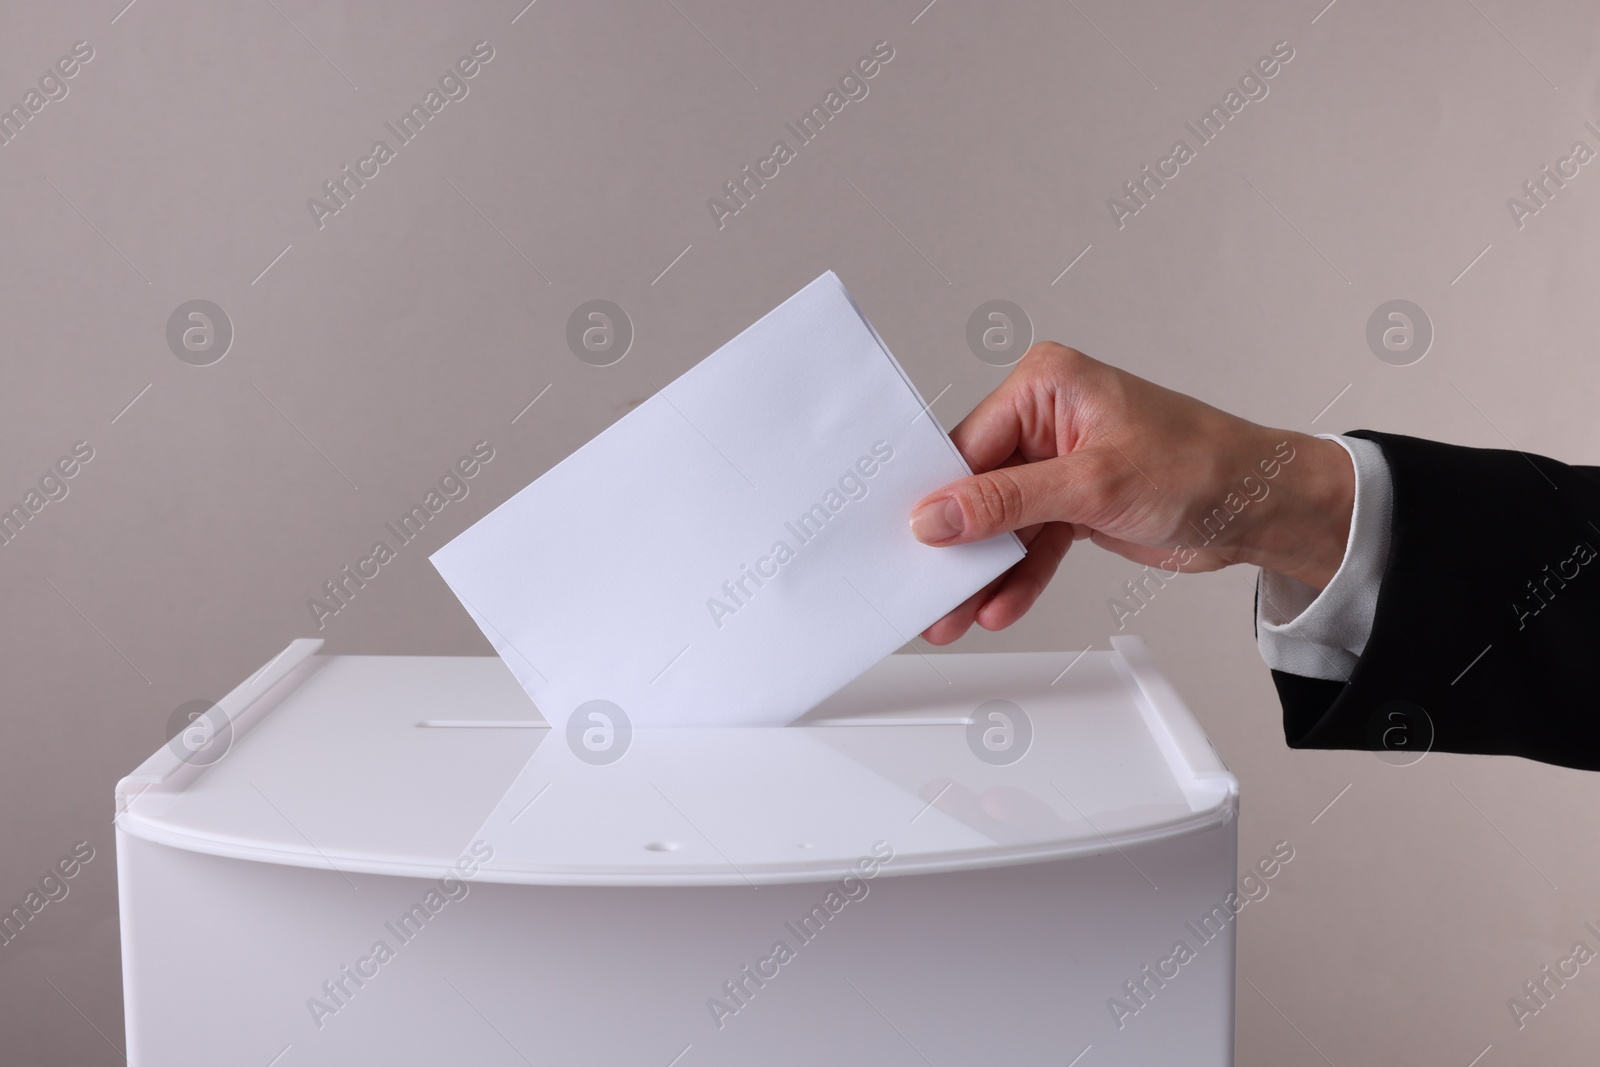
{"points": [[484, 724]]}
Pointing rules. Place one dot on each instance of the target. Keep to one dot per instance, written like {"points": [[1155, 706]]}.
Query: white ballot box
{"points": [[1005, 859]]}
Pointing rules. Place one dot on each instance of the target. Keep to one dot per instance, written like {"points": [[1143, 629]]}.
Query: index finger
{"points": [[1020, 416]]}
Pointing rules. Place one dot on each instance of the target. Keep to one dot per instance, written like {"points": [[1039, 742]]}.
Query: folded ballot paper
{"points": [[736, 548]]}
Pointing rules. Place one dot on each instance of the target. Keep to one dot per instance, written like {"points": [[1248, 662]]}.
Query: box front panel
{"points": [[231, 961]]}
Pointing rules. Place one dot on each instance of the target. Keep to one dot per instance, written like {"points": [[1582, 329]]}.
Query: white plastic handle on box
{"points": [[231, 716], [1188, 751]]}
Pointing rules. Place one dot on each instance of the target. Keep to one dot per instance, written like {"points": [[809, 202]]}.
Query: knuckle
{"points": [[1100, 484], [1053, 353], [1055, 365], [1098, 468], [997, 501]]}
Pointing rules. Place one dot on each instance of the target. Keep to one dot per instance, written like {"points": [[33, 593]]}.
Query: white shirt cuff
{"points": [[1322, 635]]}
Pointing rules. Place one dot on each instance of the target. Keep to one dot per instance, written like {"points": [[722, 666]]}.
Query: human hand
{"points": [[1069, 448]]}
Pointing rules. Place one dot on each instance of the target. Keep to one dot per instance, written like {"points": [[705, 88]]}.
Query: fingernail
{"points": [[937, 521]]}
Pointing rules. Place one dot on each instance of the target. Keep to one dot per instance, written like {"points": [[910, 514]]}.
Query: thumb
{"points": [[1009, 498]]}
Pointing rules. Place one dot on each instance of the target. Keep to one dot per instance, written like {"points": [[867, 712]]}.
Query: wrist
{"points": [[1304, 529]]}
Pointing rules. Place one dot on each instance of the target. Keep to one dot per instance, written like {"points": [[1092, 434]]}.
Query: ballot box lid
{"points": [[413, 765]]}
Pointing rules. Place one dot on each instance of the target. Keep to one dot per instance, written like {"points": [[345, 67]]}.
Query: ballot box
{"points": [[958, 859]]}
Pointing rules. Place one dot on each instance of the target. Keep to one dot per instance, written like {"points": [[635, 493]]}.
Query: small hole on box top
{"points": [[662, 846]]}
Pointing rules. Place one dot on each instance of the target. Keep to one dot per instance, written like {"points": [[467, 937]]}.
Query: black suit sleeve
{"points": [[1487, 631]]}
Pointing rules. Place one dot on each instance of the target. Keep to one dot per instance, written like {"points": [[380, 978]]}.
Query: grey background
{"points": [[427, 314]]}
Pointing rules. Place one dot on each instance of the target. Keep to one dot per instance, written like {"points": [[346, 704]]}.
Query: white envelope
{"points": [[736, 548]]}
